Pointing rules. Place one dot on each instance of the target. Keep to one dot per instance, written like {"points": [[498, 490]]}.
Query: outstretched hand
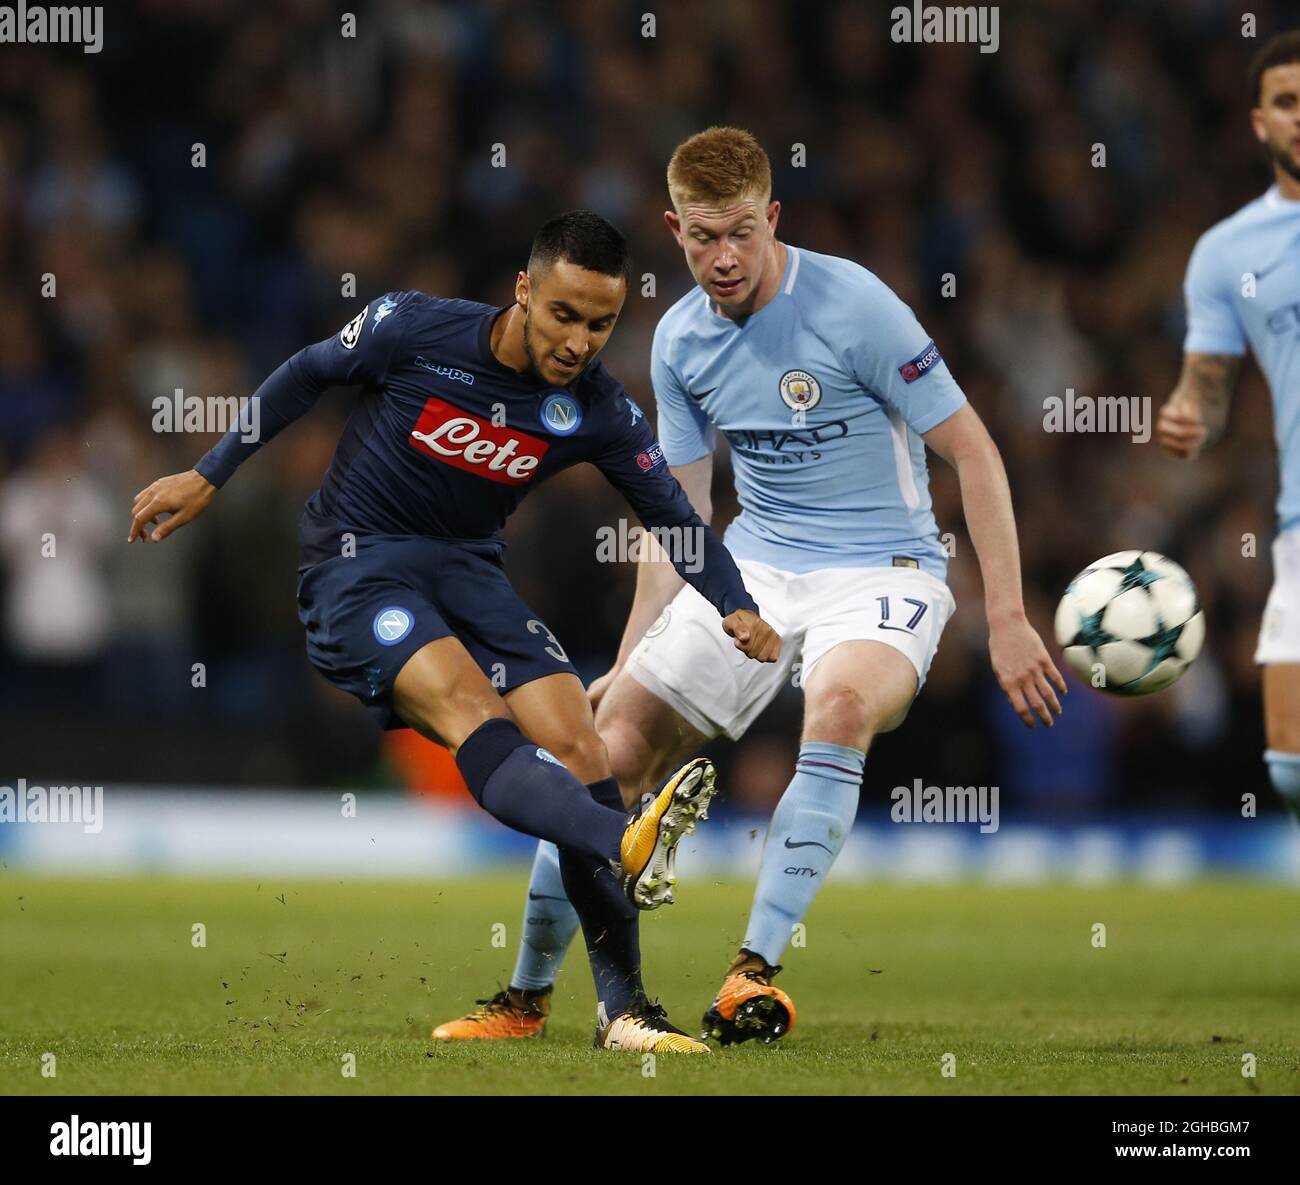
{"points": [[1025, 671], [183, 496]]}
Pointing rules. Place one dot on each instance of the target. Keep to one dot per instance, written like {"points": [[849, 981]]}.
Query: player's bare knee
{"points": [[838, 715], [582, 753], [1283, 736], [842, 715], [451, 716]]}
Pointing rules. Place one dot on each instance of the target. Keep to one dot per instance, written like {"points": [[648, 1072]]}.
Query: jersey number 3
{"points": [[555, 650]]}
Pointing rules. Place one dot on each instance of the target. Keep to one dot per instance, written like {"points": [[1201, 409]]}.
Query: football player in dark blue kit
{"points": [[402, 587]]}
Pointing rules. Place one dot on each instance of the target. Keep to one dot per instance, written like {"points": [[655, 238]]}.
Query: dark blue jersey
{"points": [[447, 440]]}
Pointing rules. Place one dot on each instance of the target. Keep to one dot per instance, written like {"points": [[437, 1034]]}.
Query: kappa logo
{"points": [[561, 414], [392, 625], [386, 306], [352, 330], [446, 372], [800, 391], [637, 413], [466, 441]]}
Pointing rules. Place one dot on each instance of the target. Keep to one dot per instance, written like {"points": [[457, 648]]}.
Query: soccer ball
{"points": [[1130, 623]]}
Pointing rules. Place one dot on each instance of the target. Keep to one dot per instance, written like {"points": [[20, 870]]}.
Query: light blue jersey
{"points": [[823, 395], [1262, 240]]}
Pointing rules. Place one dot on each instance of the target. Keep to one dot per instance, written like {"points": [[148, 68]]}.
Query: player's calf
{"points": [[808, 829], [646, 740]]}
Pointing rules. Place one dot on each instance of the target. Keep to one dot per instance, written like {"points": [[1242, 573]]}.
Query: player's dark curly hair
{"points": [[582, 238], [1282, 50]]}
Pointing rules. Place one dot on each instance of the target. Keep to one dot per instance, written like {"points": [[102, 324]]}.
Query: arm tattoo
{"points": [[1210, 380]]}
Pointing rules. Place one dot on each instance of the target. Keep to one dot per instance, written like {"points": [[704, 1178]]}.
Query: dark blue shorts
{"points": [[367, 614]]}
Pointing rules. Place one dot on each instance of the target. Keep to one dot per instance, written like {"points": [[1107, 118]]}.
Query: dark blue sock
{"points": [[526, 788], [609, 920]]}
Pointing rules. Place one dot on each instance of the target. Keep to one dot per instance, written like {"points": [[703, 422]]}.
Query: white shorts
{"points": [[1279, 636], [688, 661]]}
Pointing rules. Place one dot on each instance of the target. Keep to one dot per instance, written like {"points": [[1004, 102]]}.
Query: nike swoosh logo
{"points": [[702, 394], [902, 629], [543, 897], [807, 843], [1261, 272]]}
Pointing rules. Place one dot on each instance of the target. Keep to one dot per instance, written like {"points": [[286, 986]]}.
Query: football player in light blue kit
{"points": [[828, 391], [1243, 286]]}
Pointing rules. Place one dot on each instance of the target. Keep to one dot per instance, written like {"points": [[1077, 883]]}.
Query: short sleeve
{"points": [[1213, 326], [684, 430], [893, 357]]}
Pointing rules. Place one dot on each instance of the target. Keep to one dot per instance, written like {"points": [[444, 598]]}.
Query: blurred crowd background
{"points": [[373, 156]]}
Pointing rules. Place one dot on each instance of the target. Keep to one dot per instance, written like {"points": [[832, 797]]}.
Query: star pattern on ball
{"points": [[1162, 642], [1091, 633], [1136, 575]]}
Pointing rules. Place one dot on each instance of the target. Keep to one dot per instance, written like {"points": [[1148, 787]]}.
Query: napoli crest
{"points": [[561, 414]]}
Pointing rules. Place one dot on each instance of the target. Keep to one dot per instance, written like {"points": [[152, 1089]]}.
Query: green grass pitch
{"points": [[104, 974]]}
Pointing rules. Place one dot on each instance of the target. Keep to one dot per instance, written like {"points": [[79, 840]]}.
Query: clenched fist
{"points": [[753, 635], [1181, 428]]}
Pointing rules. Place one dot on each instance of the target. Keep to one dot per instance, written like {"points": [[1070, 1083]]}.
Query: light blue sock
{"points": [[808, 829], [1284, 770], [550, 923]]}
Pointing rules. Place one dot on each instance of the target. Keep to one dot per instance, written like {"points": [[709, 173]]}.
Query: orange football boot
{"points": [[508, 1014], [747, 1005]]}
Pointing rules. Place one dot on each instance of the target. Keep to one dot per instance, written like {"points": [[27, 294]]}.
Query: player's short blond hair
{"points": [[718, 166]]}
